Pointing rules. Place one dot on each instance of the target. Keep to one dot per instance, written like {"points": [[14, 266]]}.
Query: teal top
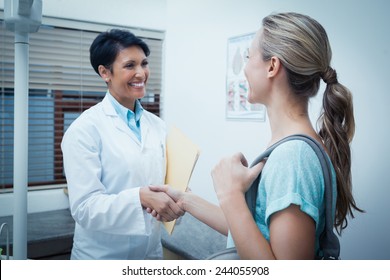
{"points": [[132, 119], [292, 175]]}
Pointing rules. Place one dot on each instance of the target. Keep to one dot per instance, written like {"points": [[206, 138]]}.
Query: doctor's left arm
{"points": [[91, 205]]}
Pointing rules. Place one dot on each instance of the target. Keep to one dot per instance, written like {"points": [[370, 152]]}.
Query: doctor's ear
{"points": [[104, 73]]}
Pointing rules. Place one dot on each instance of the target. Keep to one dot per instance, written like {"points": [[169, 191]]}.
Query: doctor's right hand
{"points": [[163, 205], [178, 196]]}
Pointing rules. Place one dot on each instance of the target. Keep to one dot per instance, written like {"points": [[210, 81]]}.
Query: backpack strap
{"points": [[329, 242]]}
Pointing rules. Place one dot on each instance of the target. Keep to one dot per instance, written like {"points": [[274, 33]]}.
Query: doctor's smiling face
{"points": [[127, 77]]}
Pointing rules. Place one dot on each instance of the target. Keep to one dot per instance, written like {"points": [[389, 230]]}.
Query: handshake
{"points": [[231, 179], [163, 202]]}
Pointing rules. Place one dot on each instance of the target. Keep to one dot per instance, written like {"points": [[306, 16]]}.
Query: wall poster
{"points": [[237, 105]]}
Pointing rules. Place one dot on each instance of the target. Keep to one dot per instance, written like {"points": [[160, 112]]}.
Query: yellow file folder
{"points": [[182, 155]]}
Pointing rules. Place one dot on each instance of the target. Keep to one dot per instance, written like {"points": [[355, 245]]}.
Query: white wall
{"points": [[194, 82], [149, 14]]}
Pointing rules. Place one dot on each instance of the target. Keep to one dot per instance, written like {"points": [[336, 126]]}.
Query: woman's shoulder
{"points": [[293, 149], [293, 167], [292, 157]]}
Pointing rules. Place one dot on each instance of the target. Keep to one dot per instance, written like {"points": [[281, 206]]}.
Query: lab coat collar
{"points": [[109, 110]]}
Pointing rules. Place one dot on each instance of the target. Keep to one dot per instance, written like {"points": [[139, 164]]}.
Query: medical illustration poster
{"points": [[237, 105]]}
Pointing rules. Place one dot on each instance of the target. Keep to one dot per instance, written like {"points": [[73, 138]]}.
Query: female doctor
{"points": [[112, 153]]}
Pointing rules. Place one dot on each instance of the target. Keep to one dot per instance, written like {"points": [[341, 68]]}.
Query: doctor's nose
{"points": [[140, 72]]}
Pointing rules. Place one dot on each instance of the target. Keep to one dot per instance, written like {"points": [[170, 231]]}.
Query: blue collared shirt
{"points": [[132, 119]]}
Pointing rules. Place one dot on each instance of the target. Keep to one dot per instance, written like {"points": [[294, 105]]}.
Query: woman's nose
{"points": [[140, 72]]}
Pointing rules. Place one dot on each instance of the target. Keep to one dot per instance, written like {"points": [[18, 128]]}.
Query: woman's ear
{"points": [[274, 66], [104, 73]]}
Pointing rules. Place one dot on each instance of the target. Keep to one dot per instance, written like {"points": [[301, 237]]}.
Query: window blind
{"points": [[62, 84]]}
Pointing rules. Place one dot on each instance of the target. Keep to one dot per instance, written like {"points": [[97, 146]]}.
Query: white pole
{"points": [[21, 145]]}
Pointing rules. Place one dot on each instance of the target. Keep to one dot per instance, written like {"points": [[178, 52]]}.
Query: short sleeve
{"points": [[293, 175]]}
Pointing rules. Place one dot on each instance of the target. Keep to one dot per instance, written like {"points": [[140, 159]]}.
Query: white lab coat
{"points": [[105, 165]]}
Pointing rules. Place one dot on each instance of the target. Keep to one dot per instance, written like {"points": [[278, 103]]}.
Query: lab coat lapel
{"points": [[109, 110], [144, 130]]}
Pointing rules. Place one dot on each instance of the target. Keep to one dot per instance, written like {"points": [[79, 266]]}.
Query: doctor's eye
{"points": [[145, 63]]}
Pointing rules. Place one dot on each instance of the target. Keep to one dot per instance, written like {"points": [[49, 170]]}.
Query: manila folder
{"points": [[182, 155]]}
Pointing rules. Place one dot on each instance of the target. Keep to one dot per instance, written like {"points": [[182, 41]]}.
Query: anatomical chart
{"points": [[237, 105]]}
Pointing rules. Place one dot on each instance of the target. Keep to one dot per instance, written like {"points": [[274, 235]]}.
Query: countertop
{"points": [[51, 233], [193, 239]]}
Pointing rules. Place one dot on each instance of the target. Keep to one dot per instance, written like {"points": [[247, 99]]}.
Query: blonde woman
{"points": [[288, 58]]}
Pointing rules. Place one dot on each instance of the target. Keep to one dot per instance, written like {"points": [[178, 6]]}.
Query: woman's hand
{"points": [[232, 175], [198, 207], [166, 209], [176, 195]]}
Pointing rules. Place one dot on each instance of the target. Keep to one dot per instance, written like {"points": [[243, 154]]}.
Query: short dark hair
{"points": [[106, 46]]}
